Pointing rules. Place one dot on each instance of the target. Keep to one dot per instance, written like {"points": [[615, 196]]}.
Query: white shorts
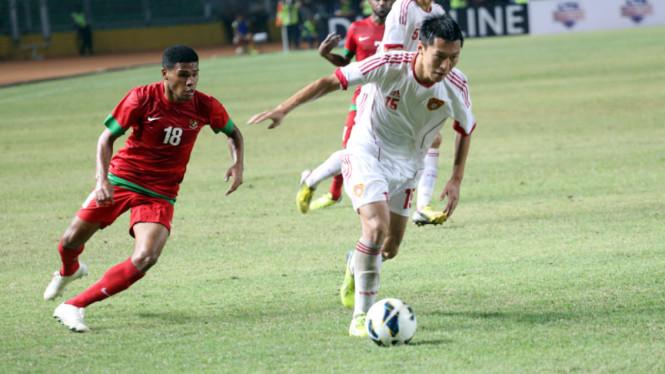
{"points": [[368, 180]]}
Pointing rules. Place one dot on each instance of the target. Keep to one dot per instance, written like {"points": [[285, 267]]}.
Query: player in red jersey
{"points": [[362, 41], [144, 176]]}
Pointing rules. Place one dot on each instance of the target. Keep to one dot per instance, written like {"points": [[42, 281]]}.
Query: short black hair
{"points": [[178, 53], [444, 27]]}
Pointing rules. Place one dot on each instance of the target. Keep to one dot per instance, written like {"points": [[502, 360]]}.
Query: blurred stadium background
{"points": [[37, 29], [134, 25]]}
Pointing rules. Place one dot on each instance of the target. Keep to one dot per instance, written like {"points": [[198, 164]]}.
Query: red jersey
{"points": [[363, 38], [154, 158]]}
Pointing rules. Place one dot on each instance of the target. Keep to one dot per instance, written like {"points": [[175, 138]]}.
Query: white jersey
{"points": [[403, 24], [398, 116]]}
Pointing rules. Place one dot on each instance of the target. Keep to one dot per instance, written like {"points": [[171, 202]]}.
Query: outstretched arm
{"points": [[103, 188], [237, 147], [327, 45], [452, 188], [313, 91]]}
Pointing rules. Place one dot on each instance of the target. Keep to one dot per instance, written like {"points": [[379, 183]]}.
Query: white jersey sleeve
{"points": [[375, 69], [465, 122]]}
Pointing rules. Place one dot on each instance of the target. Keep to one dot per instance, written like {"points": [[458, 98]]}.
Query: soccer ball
{"points": [[390, 322]]}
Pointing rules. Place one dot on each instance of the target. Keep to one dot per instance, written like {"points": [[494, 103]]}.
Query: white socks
{"points": [[428, 179], [330, 167], [366, 264]]}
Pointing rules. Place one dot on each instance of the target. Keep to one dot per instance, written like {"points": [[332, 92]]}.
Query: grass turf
{"points": [[553, 261]]}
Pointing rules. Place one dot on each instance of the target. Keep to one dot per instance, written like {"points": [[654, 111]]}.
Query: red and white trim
{"points": [[391, 46], [368, 250], [342, 79], [393, 58], [346, 172], [460, 83], [413, 69], [404, 11], [459, 129]]}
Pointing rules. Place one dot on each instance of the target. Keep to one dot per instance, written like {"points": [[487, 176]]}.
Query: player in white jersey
{"points": [[402, 28], [414, 93], [403, 24], [404, 21]]}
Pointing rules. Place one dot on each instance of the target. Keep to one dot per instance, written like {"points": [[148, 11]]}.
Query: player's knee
{"points": [[376, 231], [78, 232], [67, 239], [436, 143], [144, 261], [72, 238]]}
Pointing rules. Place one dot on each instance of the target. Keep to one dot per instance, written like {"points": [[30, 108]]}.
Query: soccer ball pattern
{"points": [[390, 322]]}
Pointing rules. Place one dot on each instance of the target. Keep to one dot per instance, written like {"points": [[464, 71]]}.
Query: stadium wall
{"points": [[540, 17], [555, 16], [115, 41]]}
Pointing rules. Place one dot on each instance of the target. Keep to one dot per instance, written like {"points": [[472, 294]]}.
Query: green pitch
{"points": [[553, 262]]}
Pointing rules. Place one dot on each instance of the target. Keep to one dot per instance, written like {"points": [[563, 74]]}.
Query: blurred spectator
{"points": [[309, 33], [258, 25], [321, 26], [242, 39], [365, 8], [306, 9], [258, 21], [227, 17], [457, 4], [344, 9], [288, 16], [83, 30]]}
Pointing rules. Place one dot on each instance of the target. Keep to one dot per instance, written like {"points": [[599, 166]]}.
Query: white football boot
{"points": [[71, 316], [58, 283]]}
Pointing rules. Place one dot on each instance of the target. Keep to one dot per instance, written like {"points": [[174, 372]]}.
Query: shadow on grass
{"points": [[171, 317], [430, 342], [522, 317]]}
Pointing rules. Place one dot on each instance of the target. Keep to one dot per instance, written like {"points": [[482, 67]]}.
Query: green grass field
{"points": [[553, 262]]}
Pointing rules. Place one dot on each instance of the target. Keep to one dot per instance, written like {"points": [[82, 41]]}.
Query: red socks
{"points": [[336, 187], [116, 279], [69, 258]]}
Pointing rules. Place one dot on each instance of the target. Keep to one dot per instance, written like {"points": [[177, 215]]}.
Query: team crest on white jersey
{"points": [[434, 103], [193, 124], [359, 189]]}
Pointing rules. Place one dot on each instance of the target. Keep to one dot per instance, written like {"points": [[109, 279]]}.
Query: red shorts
{"points": [[350, 119], [144, 209]]}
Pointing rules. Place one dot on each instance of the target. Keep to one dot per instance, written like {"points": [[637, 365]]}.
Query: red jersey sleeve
{"points": [[126, 113], [351, 45], [219, 118]]}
